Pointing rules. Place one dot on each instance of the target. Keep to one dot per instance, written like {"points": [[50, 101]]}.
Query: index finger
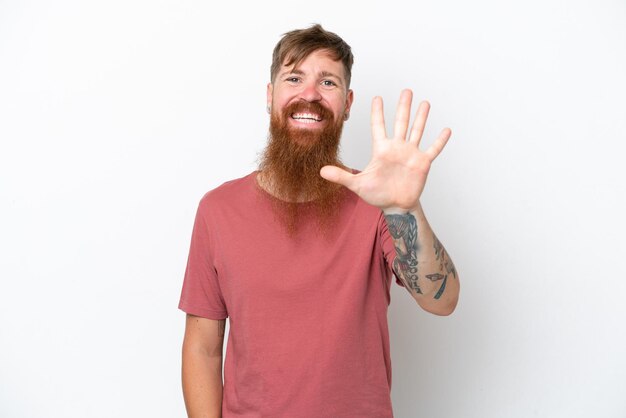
{"points": [[378, 119]]}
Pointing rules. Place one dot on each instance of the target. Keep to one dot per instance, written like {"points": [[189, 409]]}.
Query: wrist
{"points": [[398, 210]]}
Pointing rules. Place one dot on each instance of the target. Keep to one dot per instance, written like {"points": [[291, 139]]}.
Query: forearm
{"points": [[422, 263], [202, 383]]}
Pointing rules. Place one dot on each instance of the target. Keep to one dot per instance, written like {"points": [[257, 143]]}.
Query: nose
{"points": [[310, 92]]}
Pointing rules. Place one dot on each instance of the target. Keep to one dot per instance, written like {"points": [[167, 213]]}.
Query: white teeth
{"points": [[310, 116]]}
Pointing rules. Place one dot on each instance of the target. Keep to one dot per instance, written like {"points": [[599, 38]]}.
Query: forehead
{"points": [[319, 61]]}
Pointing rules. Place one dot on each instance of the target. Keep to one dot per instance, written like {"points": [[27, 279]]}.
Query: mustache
{"points": [[308, 107]]}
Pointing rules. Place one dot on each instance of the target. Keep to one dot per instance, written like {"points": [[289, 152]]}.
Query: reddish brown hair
{"points": [[297, 44]]}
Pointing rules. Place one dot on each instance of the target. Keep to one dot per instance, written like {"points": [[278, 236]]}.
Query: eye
{"points": [[292, 79], [329, 83]]}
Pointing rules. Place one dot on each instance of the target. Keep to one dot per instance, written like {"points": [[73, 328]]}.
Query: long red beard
{"points": [[291, 164]]}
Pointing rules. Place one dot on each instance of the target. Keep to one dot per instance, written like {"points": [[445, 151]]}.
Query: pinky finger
{"points": [[435, 149]]}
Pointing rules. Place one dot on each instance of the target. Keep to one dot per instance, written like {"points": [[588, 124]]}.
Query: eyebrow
{"points": [[322, 74], [329, 74]]}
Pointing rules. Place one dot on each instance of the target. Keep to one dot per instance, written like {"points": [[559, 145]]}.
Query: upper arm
{"points": [[203, 334]]}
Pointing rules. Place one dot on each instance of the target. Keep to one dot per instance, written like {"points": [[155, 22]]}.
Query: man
{"points": [[299, 254]]}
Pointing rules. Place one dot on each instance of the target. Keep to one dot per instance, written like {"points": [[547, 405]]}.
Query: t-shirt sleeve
{"points": [[201, 294], [389, 250]]}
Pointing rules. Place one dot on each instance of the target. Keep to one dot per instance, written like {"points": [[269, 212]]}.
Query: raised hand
{"points": [[395, 176]]}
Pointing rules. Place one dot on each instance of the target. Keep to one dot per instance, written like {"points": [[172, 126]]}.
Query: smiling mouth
{"points": [[306, 117]]}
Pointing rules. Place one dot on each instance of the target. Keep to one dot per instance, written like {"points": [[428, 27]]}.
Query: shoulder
{"points": [[229, 193]]}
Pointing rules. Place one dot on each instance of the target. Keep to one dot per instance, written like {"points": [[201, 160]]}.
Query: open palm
{"points": [[395, 176]]}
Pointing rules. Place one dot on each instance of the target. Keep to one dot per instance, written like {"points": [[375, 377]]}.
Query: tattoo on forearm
{"points": [[403, 230], [444, 263], [442, 288], [435, 276], [438, 247], [443, 257], [450, 267]]}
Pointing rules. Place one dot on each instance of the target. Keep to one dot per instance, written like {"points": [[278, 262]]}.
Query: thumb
{"points": [[336, 175]]}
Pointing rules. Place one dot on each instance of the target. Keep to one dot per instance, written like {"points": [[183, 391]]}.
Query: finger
{"points": [[420, 122], [337, 175], [403, 115], [437, 146], [378, 119]]}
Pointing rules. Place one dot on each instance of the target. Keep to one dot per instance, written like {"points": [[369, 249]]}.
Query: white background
{"points": [[117, 116]]}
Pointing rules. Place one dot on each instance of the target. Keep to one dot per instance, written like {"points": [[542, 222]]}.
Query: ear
{"points": [[349, 100], [270, 89]]}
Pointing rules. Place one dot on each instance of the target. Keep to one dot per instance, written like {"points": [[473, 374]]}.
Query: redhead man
{"points": [[300, 254]]}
